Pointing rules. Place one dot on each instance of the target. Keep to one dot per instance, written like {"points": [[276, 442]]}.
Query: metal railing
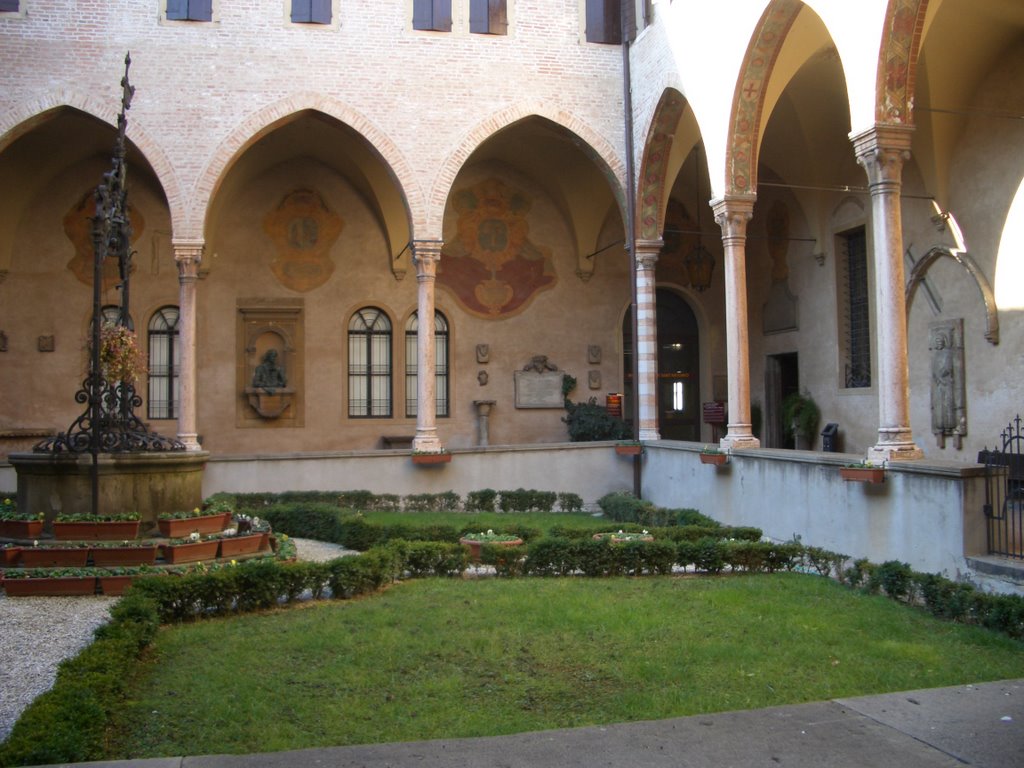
{"points": [[1004, 493]]}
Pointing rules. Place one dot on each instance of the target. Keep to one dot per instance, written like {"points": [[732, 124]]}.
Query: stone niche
{"points": [[270, 338]]}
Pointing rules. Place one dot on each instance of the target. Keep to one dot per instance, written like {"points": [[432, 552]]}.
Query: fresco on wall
{"points": [[78, 229], [303, 229], [679, 239], [491, 267]]}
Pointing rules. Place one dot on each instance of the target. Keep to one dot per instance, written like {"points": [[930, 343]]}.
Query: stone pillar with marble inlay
{"points": [[647, 337], [732, 213], [188, 255]]}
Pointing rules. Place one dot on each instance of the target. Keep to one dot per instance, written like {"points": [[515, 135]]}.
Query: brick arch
{"points": [[897, 61], [263, 122], [595, 145], [26, 116], [748, 100], [652, 192]]}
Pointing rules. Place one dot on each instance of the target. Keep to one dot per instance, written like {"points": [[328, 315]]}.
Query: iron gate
{"points": [[1004, 493]]}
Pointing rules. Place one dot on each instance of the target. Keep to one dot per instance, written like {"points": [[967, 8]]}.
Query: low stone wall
{"points": [[926, 513], [590, 470]]}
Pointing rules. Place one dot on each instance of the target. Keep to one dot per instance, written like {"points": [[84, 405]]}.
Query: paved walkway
{"points": [[974, 725]]}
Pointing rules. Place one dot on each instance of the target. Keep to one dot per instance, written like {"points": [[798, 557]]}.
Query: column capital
{"points": [[188, 255], [732, 213], [882, 150], [425, 255], [646, 253]]}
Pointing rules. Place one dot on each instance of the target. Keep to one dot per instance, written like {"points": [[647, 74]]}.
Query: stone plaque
{"points": [[539, 390]]}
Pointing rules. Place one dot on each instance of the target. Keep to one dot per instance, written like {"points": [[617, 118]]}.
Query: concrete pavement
{"points": [[974, 725]]}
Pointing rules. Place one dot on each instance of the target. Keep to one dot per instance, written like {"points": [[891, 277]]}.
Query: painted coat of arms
{"points": [[491, 267], [303, 230]]}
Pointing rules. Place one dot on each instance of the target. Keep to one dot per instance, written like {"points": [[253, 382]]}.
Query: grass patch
{"points": [[438, 658]]}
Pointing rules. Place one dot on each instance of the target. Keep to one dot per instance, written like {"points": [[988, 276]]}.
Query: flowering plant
{"points": [[120, 356], [490, 536], [9, 511]]}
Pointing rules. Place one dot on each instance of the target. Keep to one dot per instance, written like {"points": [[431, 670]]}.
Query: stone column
{"points": [[882, 150], [483, 413], [646, 385], [732, 213], [188, 254], [425, 255]]}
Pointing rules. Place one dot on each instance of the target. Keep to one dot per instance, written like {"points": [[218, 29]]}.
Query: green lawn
{"points": [[495, 520], [455, 658]]}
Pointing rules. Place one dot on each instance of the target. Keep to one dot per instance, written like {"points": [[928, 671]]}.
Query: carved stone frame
{"points": [[263, 324]]}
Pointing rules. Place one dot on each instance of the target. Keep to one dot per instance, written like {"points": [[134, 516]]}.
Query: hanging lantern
{"points": [[700, 265]]}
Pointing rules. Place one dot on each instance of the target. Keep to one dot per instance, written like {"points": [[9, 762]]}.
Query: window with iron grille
{"points": [[855, 308], [369, 364], [190, 10], [164, 364], [432, 15], [440, 365], [488, 17], [311, 11]]}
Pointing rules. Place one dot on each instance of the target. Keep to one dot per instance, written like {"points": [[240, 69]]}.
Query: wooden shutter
{"points": [[443, 15], [604, 21], [8, 5], [200, 10], [423, 14], [488, 17], [320, 11], [177, 9], [301, 11]]}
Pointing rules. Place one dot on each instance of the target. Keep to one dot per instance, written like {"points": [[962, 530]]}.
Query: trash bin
{"points": [[830, 438]]}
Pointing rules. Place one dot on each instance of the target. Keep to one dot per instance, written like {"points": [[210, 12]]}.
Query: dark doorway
{"points": [[781, 379], [678, 393]]}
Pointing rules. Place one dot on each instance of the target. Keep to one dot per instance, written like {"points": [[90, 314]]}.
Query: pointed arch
{"points": [[264, 121], [748, 100], [24, 117], [964, 260], [651, 188], [594, 144], [897, 61]]}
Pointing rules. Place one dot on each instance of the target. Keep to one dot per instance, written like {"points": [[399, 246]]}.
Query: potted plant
{"points": [[15, 524], [190, 550], [252, 535], [71, 554], [431, 457], [213, 519], [863, 472], [113, 527], [30, 582], [629, 448], [800, 417], [9, 554], [474, 542], [712, 455], [123, 553], [114, 581]]}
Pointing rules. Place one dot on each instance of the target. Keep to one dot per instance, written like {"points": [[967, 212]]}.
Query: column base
{"points": [[894, 452], [740, 436], [647, 434], [190, 440], [427, 444]]}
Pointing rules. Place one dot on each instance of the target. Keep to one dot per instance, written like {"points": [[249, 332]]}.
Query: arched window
{"points": [[369, 364], [164, 361], [440, 364]]}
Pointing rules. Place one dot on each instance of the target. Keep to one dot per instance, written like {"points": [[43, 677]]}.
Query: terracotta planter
{"points": [[21, 529], [176, 554], [177, 528], [121, 530], [114, 585], [862, 474], [629, 450], [58, 585], [717, 459], [240, 545], [10, 555], [54, 557], [474, 547], [112, 556], [431, 458]]}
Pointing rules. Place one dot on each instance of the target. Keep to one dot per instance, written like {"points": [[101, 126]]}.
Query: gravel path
{"points": [[37, 633]]}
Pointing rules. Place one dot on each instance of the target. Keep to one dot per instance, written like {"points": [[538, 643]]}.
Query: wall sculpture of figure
{"points": [[948, 394]]}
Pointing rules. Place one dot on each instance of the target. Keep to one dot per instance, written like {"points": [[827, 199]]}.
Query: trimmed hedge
{"points": [[487, 500], [623, 506]]}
